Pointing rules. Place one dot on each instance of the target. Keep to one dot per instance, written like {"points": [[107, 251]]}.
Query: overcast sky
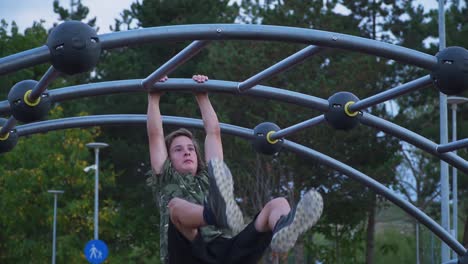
{"points": [[24, 12]]}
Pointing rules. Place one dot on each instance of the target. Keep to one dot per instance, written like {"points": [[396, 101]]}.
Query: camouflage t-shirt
{"points": [[170, 184]]}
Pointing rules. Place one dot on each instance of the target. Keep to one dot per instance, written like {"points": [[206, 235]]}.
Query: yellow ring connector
{"points": [[346, 109], [5, 137], [269, 139], [28, 102]]}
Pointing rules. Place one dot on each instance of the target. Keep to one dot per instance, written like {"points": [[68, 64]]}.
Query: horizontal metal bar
{"points": [[235, 32], [177, 85], [41, 86], [303, 151], [8, 126], [292, 129], [281, 66], [414, 139], [462, 143], [183, 56], [391, 93], [180, 85]]}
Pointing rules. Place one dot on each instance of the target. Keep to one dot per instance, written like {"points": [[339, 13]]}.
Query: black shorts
{"points": [[247, 247]]}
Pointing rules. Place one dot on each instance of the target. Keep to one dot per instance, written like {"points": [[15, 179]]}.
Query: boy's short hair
{"points": [[185, 132]]}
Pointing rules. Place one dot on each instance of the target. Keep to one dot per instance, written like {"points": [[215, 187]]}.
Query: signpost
{"points": [[96, 251]]}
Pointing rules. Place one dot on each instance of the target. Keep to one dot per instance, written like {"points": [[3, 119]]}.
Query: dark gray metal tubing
{"points": [[187, 53], [380, 189], [391, 93], [86, 121], [178, 85], [46, 79], [24, 59], [414, 139], [292, 129], [462, 143], [239, 32], [8, 126], [272, 33], [4, 107], [281, 66]]}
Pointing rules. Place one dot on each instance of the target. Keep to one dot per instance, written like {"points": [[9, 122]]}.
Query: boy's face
{"points": [[183, 155]]}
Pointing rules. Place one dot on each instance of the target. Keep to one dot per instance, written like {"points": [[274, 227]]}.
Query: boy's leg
{"points": [[289, 227], [187, 217], [271, 213], [220, 206], [248, 246]]}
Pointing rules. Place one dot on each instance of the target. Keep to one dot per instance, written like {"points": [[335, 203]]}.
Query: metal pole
{"points": [[392, 93], [96, 146], [54, 226], [292, 129], [41, 86], [453, 146], [96, 195], [432, 248], [444, 170], [9, 125], [454, 176], [417, 243], [183, 56], [281, 66], [54, 229]]}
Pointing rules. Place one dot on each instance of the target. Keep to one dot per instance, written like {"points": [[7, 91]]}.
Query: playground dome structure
{"points": [[71, 53]]}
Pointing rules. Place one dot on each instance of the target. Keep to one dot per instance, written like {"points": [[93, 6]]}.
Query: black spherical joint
{"points": [[262, 142], [9, 140], [26, 110], [451, 72], [74, 47], [339, 116]]}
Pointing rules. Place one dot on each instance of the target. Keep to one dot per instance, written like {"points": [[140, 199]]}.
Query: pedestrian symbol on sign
{"points": [[96, 251]]}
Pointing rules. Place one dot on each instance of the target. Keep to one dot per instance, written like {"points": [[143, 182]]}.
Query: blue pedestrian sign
{"points": [[96, 251]]}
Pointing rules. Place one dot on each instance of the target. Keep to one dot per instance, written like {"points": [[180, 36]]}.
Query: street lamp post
{"points": [[454, 101], [54, 226], [96, 146]]}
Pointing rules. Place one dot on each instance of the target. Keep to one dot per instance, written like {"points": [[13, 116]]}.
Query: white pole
{"points": [[96, 146], [54, 225], [444, 181]]}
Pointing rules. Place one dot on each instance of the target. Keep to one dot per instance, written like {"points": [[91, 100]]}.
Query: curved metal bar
{"points": [[414, 139], [238, 32], [24, 59], [380, 189], [178, 85], [86, 121]]}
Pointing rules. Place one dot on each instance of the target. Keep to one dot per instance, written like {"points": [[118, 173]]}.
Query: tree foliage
{"points": [[128, 215]]}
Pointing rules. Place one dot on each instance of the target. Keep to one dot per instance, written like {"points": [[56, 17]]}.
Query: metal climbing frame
{"points": [[202, 35]]}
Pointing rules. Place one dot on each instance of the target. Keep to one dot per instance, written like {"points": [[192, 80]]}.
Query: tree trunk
{"points": [[370, 233], [299, 253], [465, 234]]}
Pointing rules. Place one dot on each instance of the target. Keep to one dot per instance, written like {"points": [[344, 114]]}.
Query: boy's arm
{"points": [[157, 146], [213, 143]]}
